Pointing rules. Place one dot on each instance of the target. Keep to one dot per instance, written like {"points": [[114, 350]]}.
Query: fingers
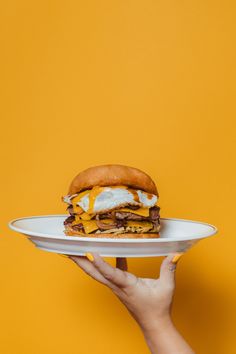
{"points": [[89, 268], [168, 267], [121, 263], [103, 272], [116, 276]]}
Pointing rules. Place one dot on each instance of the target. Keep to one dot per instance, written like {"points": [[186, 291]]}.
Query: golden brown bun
{"points": [[112, 175], [100, 235]]}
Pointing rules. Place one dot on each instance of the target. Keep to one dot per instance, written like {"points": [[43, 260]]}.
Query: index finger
{"points": [[116, 276]]}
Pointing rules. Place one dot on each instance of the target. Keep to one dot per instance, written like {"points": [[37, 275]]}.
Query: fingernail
{"points": [[172, 267], [176, 258], [90, 257]]}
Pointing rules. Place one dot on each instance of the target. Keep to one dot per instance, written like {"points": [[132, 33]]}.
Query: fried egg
{"points": [[102, 199]]}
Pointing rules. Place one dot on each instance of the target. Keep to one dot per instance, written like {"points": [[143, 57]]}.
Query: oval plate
{"points": [[176, 236]]}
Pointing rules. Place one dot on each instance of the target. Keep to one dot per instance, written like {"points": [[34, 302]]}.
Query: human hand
{"points": [[148, 300]]}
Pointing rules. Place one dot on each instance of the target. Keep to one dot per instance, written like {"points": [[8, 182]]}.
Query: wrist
{"points": [[162, 337], [156, 325]]}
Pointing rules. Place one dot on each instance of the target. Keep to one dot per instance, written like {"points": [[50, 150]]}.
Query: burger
{"points": [[112, 201]]}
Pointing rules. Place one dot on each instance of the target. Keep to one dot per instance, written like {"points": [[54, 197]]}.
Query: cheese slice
{"points": [[139, 223], [107, 221], [139, 211], [77, 209], [90, 225], [86, 216], [83, 216]]}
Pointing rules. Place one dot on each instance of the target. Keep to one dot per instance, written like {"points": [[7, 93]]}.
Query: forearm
{"points": [[163, 338]]}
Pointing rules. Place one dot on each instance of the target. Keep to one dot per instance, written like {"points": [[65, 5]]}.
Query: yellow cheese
{"points": [[78, 197], [83, 216], [95, 191], [86, 216], [77, 219], [140, 211], [107, 221], [139, 223], [76, 208], [89, 225]]}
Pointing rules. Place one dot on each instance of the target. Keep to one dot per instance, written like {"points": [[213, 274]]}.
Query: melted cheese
{"points": [[92, 197], [90, 225], [139, 223], [76, 208], [79, 196], [99, 199], [107, 221], [86, 216], [139, 211]]}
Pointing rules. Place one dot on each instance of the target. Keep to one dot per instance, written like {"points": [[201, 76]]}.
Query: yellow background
{"points": [[150, 84]]}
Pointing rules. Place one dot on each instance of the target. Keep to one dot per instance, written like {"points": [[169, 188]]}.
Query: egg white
{"points": [[112, 198]]}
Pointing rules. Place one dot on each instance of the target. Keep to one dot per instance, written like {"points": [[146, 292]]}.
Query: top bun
{"points": [[112, 175]]}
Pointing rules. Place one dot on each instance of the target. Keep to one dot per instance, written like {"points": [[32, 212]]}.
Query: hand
{"points": [[148, 300]]}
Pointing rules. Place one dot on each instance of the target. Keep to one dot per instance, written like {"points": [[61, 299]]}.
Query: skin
{"points": [[147, 300]]}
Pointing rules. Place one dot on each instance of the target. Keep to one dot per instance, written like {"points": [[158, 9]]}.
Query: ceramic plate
{"points": [[177, 235]]}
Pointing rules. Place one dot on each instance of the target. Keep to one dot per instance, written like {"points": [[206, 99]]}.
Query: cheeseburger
{"points": [[113, 201]]}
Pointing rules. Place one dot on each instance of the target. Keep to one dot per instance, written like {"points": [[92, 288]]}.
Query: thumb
{"points": [[168, 267]]}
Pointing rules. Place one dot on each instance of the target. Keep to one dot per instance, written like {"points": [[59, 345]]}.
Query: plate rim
{"points": [[107, 239]]}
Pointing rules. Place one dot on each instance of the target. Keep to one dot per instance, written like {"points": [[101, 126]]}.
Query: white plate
{"points": [[177, 235]]}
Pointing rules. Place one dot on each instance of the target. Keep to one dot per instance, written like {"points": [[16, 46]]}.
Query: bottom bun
{"points": [[101, 235]]}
